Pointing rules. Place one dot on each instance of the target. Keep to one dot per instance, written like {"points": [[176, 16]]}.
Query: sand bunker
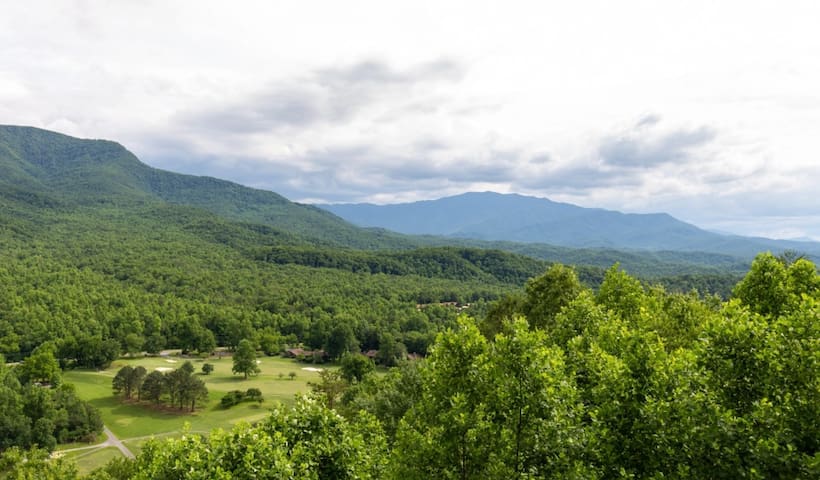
{"points": [[312, 369], [164, 369], [171, 361]]}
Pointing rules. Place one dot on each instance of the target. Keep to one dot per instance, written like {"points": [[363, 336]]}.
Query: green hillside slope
{"points": [[39, 167]]}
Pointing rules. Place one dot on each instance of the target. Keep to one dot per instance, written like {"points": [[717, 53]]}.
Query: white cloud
{"points": [[698, 109]]}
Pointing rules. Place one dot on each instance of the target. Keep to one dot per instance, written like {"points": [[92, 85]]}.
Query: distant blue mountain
{"points": [[518, 218]]}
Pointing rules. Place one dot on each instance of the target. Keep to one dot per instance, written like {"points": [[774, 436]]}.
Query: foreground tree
{"points": [[549, 293], [34, 464], [306, 441]]}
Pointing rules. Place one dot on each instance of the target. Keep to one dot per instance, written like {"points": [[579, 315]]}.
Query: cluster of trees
{"points": [[235, 397], [178, 388], [36, 410]]}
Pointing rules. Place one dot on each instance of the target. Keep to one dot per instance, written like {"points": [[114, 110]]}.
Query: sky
{"points": [[706, 110]]}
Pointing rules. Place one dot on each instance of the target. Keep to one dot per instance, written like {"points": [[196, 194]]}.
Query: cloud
{"points": [[645, 148], [324, 96]]}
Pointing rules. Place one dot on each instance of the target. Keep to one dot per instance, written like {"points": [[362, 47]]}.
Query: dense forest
{"points": [[559, 382]]}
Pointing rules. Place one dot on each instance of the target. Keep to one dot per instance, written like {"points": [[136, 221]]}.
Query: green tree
{"points": [[133, 343], [388, 397], [391, 351], [534, 407], [244, 359], [330, 388], [34, 463], [500, 312], [304, 441], [136, 379], [355, 366], [341, 340], [154, 386], [207, 368], [41, 367], [548, 294], [205, 342], [621, 293], [120, 382], [449, 433], [764, 289]]}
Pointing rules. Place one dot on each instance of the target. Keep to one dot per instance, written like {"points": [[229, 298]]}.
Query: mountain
{"points": [[517, 218], [52, 183], [40, 167]]}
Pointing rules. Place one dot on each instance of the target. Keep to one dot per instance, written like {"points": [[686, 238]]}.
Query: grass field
{"points": [[92, 458], [134, 423]]}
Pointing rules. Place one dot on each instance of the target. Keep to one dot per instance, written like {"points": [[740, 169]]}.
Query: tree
{"points": [[41, 367], [205, 342], [254, 395], [133, 343], [35, 463], [621, 293], [764, 288], [356, 366], [120, 382], [136, 379], [194, 392], [129, 379], [153, 386], [388, 397], [548, 294], [449, 434], [304, 441], [341, 340], [391, 352], [207, 368], [500, 312], [331, 387], [244, 359]]}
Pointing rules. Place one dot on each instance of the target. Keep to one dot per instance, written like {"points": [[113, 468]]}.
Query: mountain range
{"points": [[61, 188], [493, 216]]}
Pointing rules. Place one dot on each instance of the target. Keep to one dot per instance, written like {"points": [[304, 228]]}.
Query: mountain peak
{"points": [[514, 217]]}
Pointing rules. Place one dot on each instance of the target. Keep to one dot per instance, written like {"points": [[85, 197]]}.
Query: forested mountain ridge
{"points": [[519, 218], [49, 169], [44, 172]]}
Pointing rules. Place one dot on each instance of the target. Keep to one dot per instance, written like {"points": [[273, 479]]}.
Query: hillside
{"points": [[517, 218], [48, 169]]}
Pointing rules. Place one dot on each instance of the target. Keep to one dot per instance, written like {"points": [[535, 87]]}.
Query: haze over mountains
{"points": [[518, 218]]}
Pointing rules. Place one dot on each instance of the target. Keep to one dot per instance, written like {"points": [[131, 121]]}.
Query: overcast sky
{"points": [[709, 111]]}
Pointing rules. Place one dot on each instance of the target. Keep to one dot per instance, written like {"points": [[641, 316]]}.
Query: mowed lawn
{"points": [[133, 422], [93, 458]]}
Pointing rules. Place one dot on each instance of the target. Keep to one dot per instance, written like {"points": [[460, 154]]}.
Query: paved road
{"points": [[115, 442]]}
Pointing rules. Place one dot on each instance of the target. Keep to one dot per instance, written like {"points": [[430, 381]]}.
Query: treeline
{"points": [[178, 388], [622, 382], [442, 262]]}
